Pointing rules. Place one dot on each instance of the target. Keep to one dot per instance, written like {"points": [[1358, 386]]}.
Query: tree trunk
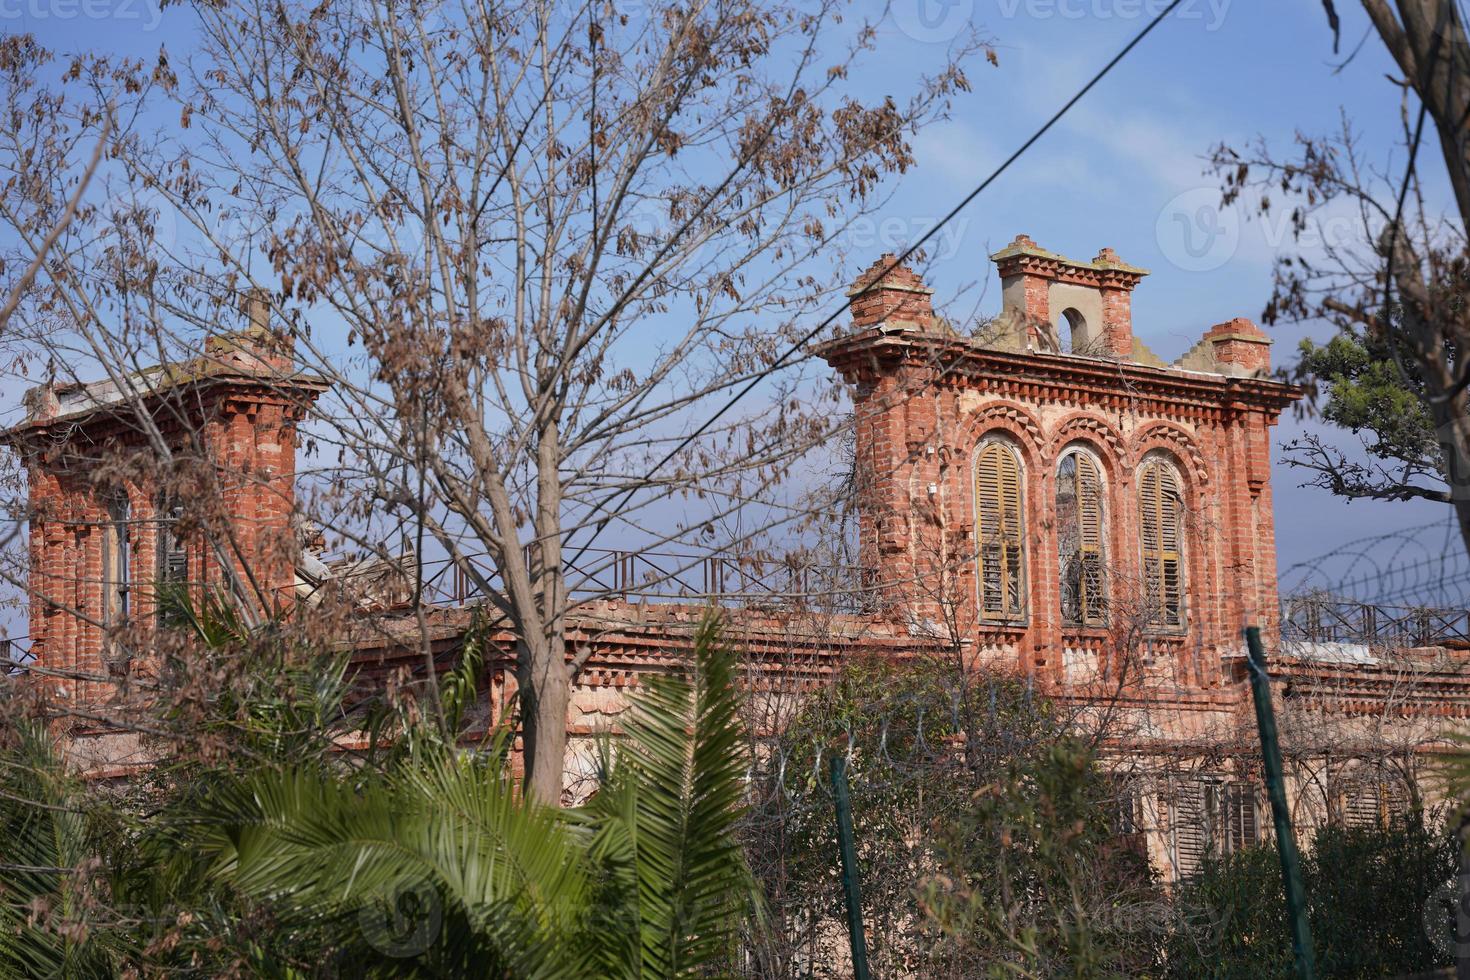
{"points": [[545, 696], [545, 718], [1454, 440]]}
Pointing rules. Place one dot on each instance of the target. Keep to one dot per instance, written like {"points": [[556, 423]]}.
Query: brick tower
{"points": [[183, 474], [1047, 490]]}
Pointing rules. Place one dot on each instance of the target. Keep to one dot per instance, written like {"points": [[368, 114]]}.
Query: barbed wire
{"points": [[1422, 565]]}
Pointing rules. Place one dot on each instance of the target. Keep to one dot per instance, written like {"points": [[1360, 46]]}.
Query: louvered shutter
{"points": [[1010, 475], [1161, 514], [987, 524], [173, 558], [1395, 797], [1360, 809], [1170, 513], [1080, 539], [1069, 540], [117, 557], [1190, 827], [1241, 830], [1090, 538], [1375, 801], [998, 526]]}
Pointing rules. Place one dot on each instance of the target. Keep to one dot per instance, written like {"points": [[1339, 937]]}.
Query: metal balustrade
{"points": [[645, 575], [1328, 619]]}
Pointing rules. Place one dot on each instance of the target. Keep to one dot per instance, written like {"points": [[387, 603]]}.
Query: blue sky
{"points": [[1123, 170]]}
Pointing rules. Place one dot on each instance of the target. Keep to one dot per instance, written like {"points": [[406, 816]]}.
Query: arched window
{"points": [[1080, 539], [998, 528], [1161, 526]]}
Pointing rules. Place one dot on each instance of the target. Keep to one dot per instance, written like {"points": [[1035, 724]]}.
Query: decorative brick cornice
{"points": [[1368, 689], [153, 389], [214, 394], [1024, 257], [961, 362], [630, 639], [1238, 329]]}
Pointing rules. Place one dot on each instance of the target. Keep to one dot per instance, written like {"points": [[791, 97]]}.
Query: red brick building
{"points": [[1042, 494], [111, 466]]}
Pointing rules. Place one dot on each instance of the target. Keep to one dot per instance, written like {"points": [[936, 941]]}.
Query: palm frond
{"points": [[212, 617], [459, 686], [449, 827], [665, 820], [46, 927], [647, 880]]}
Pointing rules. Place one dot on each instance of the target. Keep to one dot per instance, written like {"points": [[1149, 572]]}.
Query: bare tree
{"points": [[1395, 290], [535, 247]]}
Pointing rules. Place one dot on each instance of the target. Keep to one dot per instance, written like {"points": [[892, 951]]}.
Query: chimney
{"points": [[897, 299], [42, 403], [1241, 349], [257, 346], [1025, 283], [1116, 280]]}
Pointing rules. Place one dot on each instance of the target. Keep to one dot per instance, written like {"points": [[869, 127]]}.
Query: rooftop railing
{"points": [[1329, 619], [643, 575]]}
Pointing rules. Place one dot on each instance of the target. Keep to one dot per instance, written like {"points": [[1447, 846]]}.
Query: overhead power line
{"points": [[623, 496]]}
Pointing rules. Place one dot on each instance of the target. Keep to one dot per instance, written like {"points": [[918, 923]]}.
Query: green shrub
{"points": [[1368, 897]]}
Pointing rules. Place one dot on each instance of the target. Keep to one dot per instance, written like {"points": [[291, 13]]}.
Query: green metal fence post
{"points": [[850, 885], [1291, 865]]}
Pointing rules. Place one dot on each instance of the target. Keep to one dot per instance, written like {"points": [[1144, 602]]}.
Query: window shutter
{"points": [[1149, 503], [1170, 514], [1361, 807], [1089, 503], [1010, 485], [1090, 535], [1376, 800], [987, 521], [1161, 515], [173, 556], [998, 527], [117, 565], [1191, 832], [1241, 828], [1080, 539]]}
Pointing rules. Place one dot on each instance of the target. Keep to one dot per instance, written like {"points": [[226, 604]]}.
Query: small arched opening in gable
{"points": [[1074, 333]]}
